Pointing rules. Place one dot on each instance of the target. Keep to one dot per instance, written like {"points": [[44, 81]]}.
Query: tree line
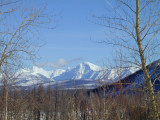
{"points": [[47, 103]]}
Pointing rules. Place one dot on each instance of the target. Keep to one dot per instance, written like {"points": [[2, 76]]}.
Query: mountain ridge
{"points": [[84, 74]]}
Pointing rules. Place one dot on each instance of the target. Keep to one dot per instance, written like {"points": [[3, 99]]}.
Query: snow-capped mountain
{"points": [[84, 74], [84, 70], [36, 75]]}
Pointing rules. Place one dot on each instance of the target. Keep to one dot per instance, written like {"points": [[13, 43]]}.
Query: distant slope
{"points": [[135, 80]]}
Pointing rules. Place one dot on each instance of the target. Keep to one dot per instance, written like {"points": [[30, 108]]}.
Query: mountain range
{"points": [[84, 74]]}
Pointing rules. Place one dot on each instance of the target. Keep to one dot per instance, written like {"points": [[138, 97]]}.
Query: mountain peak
{"points": [[91, 66], [38, 70]]}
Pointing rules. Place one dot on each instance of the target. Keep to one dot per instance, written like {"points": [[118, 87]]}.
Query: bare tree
{"points": [[136, 25], [17, 36]]}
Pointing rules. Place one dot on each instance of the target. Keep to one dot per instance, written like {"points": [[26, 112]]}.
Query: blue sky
{"points": [[74, 38]]}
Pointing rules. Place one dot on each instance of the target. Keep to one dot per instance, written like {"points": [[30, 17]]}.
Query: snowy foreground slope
{"points": [[83, 75]]}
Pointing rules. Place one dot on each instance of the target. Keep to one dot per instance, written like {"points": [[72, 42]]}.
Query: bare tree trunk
{"points": [[6, 104], [144, 68], [56, 103]]}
